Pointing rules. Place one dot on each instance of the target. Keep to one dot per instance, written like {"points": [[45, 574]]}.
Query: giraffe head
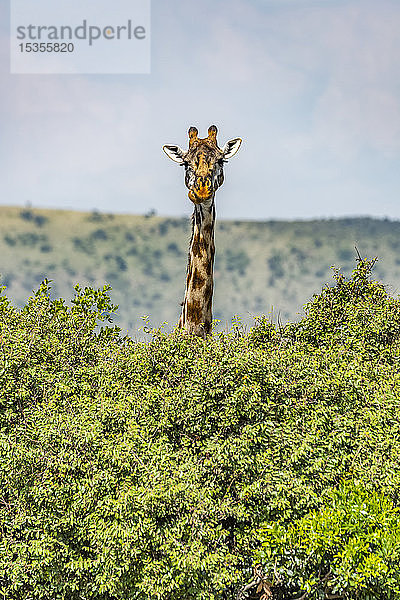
{"points": [[203, 162]]}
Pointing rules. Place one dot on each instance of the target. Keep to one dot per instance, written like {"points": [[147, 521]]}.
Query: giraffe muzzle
{"points": [[202, 190]]}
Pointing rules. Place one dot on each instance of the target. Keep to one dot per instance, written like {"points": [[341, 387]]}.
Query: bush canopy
{"points": [[170, 469]]}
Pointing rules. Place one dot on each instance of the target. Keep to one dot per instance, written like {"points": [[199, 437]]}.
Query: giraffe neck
{"points": [[196, 316]]}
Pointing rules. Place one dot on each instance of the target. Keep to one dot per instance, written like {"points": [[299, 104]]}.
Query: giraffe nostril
{"points": [[203, 181]]}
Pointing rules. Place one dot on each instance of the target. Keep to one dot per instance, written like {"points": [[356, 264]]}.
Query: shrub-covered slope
{"points": [[259, 266], [168, 469]]}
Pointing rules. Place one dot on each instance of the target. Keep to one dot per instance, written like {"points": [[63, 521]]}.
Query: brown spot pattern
{"points": [[208, 228], [194, 311], [207, 326], [195, 249], [198, 280]]}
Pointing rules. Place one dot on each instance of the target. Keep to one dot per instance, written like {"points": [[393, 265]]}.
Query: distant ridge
{"points": [[259, 266]]}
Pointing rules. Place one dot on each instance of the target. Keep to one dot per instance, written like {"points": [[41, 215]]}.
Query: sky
{"points": [[311, 86]]}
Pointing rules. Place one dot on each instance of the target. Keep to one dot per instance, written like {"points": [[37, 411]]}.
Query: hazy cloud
{"points": [[312, 87]]}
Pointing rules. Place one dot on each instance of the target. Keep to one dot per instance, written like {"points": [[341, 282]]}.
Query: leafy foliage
{"points": [[167, 469], [351, 546]]}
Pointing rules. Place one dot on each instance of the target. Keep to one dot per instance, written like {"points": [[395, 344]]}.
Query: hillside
{"points": [[258, 265]]}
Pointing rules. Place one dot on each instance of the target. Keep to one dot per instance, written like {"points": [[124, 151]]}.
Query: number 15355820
{"points": [[46, 47]]}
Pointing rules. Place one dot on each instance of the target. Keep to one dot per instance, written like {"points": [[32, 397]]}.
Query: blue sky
{"points": [[312, 87]]}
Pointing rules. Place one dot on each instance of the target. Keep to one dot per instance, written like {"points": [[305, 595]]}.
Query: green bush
{"points": [[99, 234], [276, 265], [356, 315], [29, 215], [350, 547], [237, 260], [167, 469]]}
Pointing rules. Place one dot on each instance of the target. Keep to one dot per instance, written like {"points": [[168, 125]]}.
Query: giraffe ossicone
{"points": [[204, 174]]}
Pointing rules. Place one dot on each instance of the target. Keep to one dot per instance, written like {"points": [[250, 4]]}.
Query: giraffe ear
{"points": [[231, 147], [175, 153]]}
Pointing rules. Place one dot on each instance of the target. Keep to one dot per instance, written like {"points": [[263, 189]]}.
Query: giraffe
{"points": [[204, 174]]}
